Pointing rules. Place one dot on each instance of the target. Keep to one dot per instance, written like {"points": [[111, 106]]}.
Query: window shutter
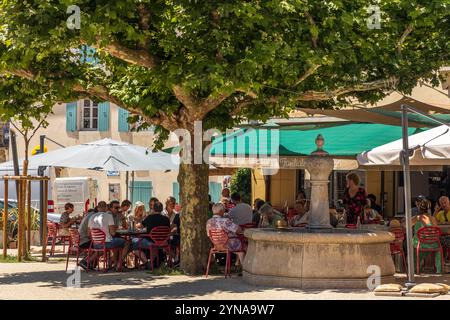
{"points": [[103, 116], [176, 191], [123, 120], [71, 116], [142, 191]]}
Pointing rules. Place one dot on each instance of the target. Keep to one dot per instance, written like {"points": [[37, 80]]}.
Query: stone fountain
{"points": [[320, 256]]}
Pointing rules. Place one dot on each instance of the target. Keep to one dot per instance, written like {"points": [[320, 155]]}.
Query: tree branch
{"points": [[314, 37], [327, 95], [402, 39], [139, 57], [309, 72]]}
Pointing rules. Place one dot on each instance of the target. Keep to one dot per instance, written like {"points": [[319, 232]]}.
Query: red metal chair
{"points": [[53, 234], [160, 237], [429, 236], [219, 239], [98, 238], [74, 246], [397, 245]]}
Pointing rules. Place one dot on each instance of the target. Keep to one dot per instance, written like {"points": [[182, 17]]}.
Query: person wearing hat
{"points": [[425, 219]]}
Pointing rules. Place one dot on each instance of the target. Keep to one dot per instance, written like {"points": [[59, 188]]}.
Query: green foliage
{"points": [[241, 183], [13, 259], [163, 270], [13, 222], [251, 51]]}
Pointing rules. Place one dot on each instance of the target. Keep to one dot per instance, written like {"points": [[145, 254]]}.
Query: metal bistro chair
{"points": [[397, 245], [74, 246], [219, 239], [159, 237], [53, 234], [98, 238], [429, 236]]}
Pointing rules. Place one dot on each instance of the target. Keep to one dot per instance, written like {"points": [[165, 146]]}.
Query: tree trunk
{"points": [[193, 180]]}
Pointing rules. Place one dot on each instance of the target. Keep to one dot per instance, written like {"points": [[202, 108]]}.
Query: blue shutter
{"points": [[176, 191], [71, 116], [123, 120], [215, 191], [88, 55], [103, 116], [142, 191]]}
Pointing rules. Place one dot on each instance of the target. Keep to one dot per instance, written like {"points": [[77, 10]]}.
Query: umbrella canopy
{"points": [[107, 155], [431, 147]]}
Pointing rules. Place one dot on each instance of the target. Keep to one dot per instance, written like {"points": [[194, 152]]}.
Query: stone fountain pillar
{"points": [[319, 166]]}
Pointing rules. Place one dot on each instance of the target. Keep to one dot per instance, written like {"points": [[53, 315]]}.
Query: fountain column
{"points": [[319, 166]]}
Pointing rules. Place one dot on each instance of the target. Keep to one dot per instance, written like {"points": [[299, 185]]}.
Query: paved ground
{"points": [[38, 280]]}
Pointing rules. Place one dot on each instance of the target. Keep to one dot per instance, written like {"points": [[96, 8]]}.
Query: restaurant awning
{"points": [[341, 140]]}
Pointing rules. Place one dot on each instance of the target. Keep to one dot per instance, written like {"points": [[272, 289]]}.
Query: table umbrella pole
{"points": [[407, 192]]}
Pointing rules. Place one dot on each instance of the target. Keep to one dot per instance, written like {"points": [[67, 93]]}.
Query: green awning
{"points": [[340, 140]]}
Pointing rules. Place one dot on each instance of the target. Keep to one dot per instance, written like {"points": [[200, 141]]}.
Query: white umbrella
{"points": [[431, 147], [107, 155]]}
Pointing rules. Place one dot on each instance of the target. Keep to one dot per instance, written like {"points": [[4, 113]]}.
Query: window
{"points": [[89, 115]]}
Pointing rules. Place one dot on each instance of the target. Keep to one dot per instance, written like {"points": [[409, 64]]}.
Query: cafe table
{"points": [[127, 234]]}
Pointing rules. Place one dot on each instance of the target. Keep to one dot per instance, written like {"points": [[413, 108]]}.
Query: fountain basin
{"points": [[331, 259]]}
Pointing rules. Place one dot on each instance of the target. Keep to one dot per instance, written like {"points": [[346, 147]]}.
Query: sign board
{"points": [[70, 191], [76, 191]]}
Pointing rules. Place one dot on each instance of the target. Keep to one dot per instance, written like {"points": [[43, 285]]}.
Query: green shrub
{"points": [[241, 182]]}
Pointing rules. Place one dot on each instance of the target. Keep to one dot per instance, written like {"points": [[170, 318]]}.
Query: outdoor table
{"points": [[130, 233]]}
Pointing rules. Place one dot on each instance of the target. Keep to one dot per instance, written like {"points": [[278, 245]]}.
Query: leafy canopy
{"points": [[171, 62]]}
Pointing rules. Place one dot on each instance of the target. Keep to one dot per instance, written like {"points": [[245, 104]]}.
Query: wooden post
{"points": [[24, 218], [20, 232], [5, 221], [29, 215], [44, 224]]}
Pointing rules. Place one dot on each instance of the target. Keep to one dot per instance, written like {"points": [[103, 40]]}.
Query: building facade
{"points": [[86, 121]]}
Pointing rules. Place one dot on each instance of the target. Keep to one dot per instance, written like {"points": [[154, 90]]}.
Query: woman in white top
{"points": [[139, 213]]}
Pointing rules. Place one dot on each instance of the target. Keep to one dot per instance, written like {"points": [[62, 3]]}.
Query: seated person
{"points": [[256, 207], [218, 221], [442, 210], [104, 221], [333, 216], [370, 214], [175, 237], [269, 216], [155, 219], [424, 219], [373, 203], [138, 213], [125, 207], [120, 219], [300, 220], [66, 221], [301, 203], [85, 240]]}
